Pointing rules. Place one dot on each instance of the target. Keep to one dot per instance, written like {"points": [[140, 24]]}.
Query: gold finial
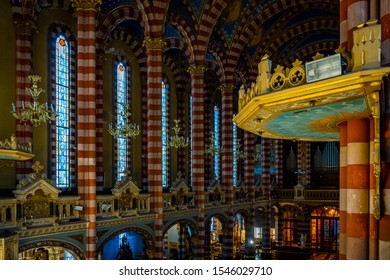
{"points": [[154, 43], [318, 56], [297, 63], [279, 69], [87, 4], [196, 69], [37, 167]]}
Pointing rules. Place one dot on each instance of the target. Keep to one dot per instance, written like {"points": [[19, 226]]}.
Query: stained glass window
{"points": [[235, 159], [216, 129], [121, 101], [62, 105], [164, 134]]}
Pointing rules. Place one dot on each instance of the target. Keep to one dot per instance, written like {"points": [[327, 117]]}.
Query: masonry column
{"points": [[197, 149], [373, 222], [343, 23], [357, 230], [384, 222], [385, 32], [249, 181], [100, 61], [227, 162], [266, 181], [86, 116], [227, 141], [24, 37], [279, 163], [343, 191], [357, 13], [154, 48]]}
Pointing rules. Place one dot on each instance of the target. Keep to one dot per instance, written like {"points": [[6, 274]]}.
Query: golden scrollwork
{"points": [[154, 43], [374, 107], [196, 69], [87, 4], [296, 75], [226, 87], [278, 80], [37, 205]]}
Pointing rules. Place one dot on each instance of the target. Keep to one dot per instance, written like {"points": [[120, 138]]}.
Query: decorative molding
{"points": [[226, 87], [196, 69], [154, 43], [373, 101], [87, 4], [31, 232]]}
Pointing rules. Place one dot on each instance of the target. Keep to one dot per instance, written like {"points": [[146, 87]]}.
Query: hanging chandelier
{"points": [[239, 153], [212, 149], [177, 141], [34, 112], [123, 128]]}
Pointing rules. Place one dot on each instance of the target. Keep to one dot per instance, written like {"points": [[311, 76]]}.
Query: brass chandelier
{"points": [[34, 112], [177, 141], [212, 149], [123, 128]]}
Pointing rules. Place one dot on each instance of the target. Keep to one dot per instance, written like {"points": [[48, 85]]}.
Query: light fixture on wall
{"points": [[123, 128], [211, 149], [34, 112], [177, 141]]}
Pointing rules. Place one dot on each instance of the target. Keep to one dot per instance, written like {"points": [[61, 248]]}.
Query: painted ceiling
{"points": [[318, 123]]}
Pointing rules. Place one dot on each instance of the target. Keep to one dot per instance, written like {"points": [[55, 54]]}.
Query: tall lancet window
{"points": [[235, 159], [164, 135], [62, 105], [216, 131], [121, 88]]}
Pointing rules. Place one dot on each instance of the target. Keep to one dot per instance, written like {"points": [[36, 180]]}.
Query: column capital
{"points": [[101, 59], [226, 87], [154, 43], [86, 4], [196, 69], [25, 27]]}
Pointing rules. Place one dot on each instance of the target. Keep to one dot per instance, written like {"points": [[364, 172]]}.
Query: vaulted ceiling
{"points": [[229, 37]]}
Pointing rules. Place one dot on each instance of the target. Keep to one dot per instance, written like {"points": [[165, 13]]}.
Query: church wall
{"points": [[7, 86]]}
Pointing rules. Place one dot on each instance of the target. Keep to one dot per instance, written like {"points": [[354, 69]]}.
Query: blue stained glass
{"points": [[62, 78], [164, 135], [235, 160], [216, 143], [121, 100]]}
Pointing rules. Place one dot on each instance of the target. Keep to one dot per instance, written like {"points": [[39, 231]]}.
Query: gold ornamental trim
{"points": [[373, 101], [87, 4], [226, 87], [196, 69], [154, 43]]}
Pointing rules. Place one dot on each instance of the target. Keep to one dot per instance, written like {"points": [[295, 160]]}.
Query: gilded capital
{"points": [[196, 69], [154, 43], [226, 87], [86, 4], [25, 27]]}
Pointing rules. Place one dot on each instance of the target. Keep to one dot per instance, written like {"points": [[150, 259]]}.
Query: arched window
{"points": [[164, 135], [216, 131], [122, 98], [235, 159], [62, 136]]}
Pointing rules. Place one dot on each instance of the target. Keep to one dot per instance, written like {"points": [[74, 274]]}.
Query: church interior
{"points": [[194, 129]]}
